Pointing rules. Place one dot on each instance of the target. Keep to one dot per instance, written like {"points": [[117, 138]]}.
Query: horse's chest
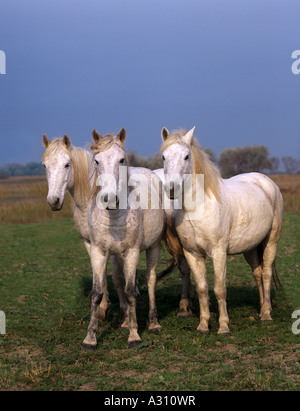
{"points": [[190, 241], [117, 236], [186, 239]]}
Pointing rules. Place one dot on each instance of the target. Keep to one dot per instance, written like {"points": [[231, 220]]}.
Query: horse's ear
{"points": [[96, 136], [67, 141], [164, 133], [46, 141], [122, 135], [189, 135]]}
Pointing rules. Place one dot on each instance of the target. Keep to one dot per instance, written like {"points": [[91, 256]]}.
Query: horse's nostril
{"points": [[105, 198], [57, 201]]}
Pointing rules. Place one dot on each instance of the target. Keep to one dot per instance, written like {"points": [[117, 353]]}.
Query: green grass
{"points": [[45, 283]]}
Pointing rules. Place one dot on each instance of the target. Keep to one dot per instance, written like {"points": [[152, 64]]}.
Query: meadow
{"points": [[45, 285]]}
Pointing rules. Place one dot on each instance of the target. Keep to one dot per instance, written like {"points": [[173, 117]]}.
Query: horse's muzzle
{"points": [[114, 206], [172, 189], [55, 204], [110, 201]]}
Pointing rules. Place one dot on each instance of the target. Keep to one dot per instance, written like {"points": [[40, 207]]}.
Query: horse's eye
{"points": [[67, 165], [97, 162], [44, 165], [163, 157], [186, 157], [122, 161]]}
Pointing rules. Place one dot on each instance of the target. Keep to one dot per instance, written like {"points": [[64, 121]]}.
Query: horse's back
{"points": [[254, 187]]}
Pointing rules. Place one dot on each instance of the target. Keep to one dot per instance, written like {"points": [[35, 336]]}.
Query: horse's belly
{"points": [[248, 234]]}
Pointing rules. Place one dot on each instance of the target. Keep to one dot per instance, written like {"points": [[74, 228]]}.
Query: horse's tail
{"points": [[173, 246], [275, 276], [167, 271]]}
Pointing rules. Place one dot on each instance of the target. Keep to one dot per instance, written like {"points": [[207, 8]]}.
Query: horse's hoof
{"points": [[124, 325], [223, 332], [89, 347], [133, 344], [204, 332], [155, 330], [185, 314], [266, 318]]}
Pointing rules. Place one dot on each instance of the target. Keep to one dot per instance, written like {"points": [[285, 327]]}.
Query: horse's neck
{"points": [[79, 201], [194, 195], [113, 218]]}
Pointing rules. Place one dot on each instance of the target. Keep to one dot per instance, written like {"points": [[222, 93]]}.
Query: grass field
{"points": [[45, 284]]}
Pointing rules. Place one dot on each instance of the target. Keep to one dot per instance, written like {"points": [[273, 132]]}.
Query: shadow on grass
{"points": [[168, 297], [242, 303]]}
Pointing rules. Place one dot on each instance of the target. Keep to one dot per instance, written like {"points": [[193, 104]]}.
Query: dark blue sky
{"points": [[223, 66]]}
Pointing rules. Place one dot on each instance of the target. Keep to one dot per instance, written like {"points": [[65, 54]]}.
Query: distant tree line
{"points": [[231, 161], [17, 170]]}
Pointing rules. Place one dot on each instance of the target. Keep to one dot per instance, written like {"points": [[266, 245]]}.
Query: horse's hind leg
{"points": [[268, 257], [185, 304], [152, 257], [268, 261], [254, 259]]}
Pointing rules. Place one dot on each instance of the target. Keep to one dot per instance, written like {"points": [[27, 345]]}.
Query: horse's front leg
{"points": [[219, 261], [152, 257], [118, 281], [99, 262], [130, 265], [103, 307], [197, 266]]}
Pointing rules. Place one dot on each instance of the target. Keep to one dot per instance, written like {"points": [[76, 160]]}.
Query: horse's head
{"points": [[109, 156], [58, 165], [177, 157]]}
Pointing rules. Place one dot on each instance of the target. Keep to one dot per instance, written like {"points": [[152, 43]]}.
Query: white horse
{"points": [[71, 169], [121, 231], [242, 214], [175, 249]]}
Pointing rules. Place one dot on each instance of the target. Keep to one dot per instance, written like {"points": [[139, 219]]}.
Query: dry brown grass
{"points": [[290, 189], [23, 199]]}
